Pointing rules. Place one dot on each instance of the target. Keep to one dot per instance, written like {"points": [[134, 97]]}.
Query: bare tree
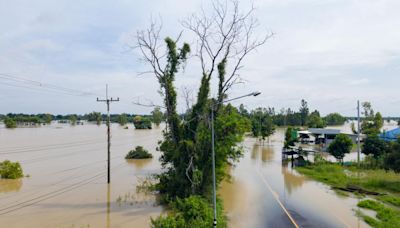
{"points": [[224, 35], [187, 95]]}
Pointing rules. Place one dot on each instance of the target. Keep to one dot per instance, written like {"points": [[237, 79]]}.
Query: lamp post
{"points": [[213, 149]]}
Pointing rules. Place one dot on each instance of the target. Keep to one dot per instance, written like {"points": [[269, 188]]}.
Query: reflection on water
{"points": [[10, 185], [291, 178], [265, 150], [108, 206], [139, 163], [261, 176]]}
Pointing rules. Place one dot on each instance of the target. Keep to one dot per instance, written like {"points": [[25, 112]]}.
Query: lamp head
{"points": [[256, 93]]}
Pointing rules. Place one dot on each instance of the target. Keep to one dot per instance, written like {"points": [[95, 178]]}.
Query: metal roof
{"points": [[324, 131]]}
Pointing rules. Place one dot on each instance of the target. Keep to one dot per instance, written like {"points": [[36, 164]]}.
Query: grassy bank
{"points": [[386, 184]]}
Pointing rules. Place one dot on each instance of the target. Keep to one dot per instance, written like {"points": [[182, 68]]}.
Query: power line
{"points": [[55, 193], [42, 86]]}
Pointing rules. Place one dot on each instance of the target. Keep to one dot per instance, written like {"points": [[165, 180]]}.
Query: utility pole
{"points": [[358, 132], [107, 100]]}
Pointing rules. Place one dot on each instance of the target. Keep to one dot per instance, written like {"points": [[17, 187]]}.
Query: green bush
{"points": [[141, 122], [194, 211], [138, 153], [10, 170], [10, 123]]}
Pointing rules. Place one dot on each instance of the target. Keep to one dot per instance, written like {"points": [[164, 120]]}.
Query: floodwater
{"points": [[67, 185]]}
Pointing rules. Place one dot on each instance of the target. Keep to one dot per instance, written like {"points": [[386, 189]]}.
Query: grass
{"points": [[385, 216], [339, 176], [381, 181]]}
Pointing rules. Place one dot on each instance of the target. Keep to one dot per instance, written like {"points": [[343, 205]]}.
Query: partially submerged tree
{"points": [[315, 120], [222, 38], [122, 119], [10, 122], [157, 116]]}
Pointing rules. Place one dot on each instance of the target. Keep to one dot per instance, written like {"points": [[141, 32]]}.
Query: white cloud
{"points": [[329, 52]]}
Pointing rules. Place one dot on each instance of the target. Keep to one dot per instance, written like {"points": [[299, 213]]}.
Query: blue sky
{"points": [[330, 53]]}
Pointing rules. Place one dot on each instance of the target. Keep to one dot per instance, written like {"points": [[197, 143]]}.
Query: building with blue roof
{"points": [[390, 136]]}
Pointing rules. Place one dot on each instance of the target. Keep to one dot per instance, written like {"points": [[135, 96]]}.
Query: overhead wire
{"points": [[55, 193]]}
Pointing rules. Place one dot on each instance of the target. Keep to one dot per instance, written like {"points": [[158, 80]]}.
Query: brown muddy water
{"points": [[67, 184]]}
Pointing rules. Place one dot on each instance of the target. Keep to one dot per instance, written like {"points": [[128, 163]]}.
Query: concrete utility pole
{"points": [[358, 132], [108, 130]]}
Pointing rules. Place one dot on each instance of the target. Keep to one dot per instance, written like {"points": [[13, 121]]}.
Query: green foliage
{"points": [[340, 146], [141, 122], [10, 123], [95, 117], [372, 123], [341, 176], [304, 112], [374, 146], [290, 137], [334, 119], [193, 211], [392, 159], [48, 118], [394, 200], [10, 170], [72, 119], [122, 119], [138, 153], [157, 116], [388, 217], [262, 123], [315, 120]]}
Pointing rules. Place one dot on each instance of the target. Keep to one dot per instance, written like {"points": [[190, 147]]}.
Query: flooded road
{"points": [[264, 192], [67, 184]]}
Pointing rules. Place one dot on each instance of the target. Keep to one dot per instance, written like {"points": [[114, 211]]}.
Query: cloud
{"points": [[329, 52]]}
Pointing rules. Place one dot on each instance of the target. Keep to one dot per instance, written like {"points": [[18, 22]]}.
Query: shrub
{"points": [[138, 153], [10, 123], [141, 122], [193, 211], [10, 170]]}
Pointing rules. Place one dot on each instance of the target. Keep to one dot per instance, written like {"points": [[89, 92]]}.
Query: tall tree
{"points": [[304, 112], [224, 37], [315, 120]]}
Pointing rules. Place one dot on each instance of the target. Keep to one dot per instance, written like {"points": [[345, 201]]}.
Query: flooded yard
{"points": [[67, 185]]}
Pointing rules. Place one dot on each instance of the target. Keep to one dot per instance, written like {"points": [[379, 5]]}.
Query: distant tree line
{"points": [[267, 118], [13, 120]]}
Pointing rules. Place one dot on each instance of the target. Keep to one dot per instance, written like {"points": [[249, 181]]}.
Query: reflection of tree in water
{"points": [[255, 151], [267, 153], [10, 185], [139, 163], [291, 179]]}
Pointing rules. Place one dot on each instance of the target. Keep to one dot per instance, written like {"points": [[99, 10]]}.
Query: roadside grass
{"points": [[340, 176], [385, 216], [386, 183]]}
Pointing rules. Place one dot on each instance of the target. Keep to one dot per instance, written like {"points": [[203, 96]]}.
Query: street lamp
{"points": [[254, 94]]}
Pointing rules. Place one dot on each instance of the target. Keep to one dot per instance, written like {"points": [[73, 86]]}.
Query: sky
{"points": [[330, 53]]}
